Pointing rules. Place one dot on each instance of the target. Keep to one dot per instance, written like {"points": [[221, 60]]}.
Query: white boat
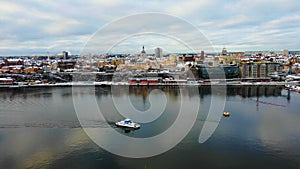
{"points": [[226, 114], [127, 123]]}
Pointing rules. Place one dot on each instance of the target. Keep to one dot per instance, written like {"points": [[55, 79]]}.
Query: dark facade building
{"points": [[66, 64], [218, 72]]}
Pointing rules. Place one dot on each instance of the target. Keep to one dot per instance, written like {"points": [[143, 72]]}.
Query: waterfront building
{"points": [[6, 81], [259, 70], [204, 71]]}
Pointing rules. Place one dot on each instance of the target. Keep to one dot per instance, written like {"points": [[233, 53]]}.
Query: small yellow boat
{"points": [[226, 114]]}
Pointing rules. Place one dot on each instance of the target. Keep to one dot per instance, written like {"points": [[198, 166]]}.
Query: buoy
{"points": [[226, 114]]}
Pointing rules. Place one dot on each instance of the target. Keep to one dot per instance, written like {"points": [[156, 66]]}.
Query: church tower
{"points": [[143, 50]]}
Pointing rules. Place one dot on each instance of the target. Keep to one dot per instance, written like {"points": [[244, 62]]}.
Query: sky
{"points": [[40, 27]]}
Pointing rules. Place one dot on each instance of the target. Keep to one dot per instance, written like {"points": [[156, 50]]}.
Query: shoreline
{"points": [[96, 84]]}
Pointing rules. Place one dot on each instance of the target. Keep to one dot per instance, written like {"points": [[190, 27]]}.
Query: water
{"points": [[39, 129]]}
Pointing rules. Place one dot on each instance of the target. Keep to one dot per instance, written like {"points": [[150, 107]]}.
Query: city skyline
{"points": [[38, 27]]}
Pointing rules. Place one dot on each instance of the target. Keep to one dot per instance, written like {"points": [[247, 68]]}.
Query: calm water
{"points": [[39, 129]]}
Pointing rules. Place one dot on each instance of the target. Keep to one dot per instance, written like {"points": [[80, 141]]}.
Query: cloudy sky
{"points": [[34, 27]]}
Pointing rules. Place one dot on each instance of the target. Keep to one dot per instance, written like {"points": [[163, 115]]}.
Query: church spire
{"points": [[143, 50]]}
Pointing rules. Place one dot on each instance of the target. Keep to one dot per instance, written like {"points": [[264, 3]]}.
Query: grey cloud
{"points": [[229, 23]]}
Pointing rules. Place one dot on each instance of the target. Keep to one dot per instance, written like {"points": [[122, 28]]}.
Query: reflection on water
{"points": [[39, 129], [142, 91]]}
